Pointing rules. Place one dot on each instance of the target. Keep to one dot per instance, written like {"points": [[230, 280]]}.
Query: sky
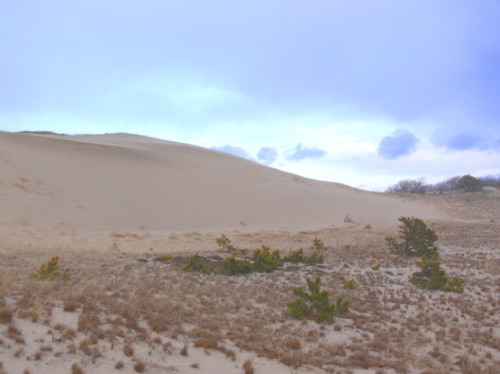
{"points": [[361, 92]]}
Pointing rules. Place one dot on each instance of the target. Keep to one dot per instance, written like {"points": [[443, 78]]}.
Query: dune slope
{"points": [[99, 183]]}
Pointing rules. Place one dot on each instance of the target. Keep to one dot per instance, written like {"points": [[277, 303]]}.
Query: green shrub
{"points": [[225, 244], [232, 266], [196, 264], [315, 304], [417, 238], [265, 261], [433, 277], [376, 267], [318, 245], [295, 256], [298, 256], [50, 271]]}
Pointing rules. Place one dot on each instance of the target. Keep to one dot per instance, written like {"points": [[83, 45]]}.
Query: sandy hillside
{"points": [[76, 191]]}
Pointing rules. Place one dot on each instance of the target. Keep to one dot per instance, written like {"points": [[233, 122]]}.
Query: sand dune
{"points": [[120, 182]]}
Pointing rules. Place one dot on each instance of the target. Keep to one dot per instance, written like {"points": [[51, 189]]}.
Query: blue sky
{"points": [[361, 92]]}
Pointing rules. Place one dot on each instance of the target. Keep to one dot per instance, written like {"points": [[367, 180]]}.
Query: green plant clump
{"points": [[225, 244], [318, 245], [298, 256], [417, 238], [265, 261], [316, 304], [433, 277], [50, 271], [196, 264], [232, 266]]}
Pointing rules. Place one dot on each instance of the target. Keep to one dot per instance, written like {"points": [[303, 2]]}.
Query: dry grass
{"points": [[131, 301]]}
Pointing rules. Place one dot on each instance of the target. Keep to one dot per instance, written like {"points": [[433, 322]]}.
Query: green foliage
{"points": [[298, 256], [417, 238], [316, 304], [196, 264], [50, 271], [376, 267], [318, 245], [265, 261], [232, 266], [468, 183], [350, 284], [433, 277], [225, 244]]}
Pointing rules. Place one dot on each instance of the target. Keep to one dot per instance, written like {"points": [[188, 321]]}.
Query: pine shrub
{"points": [[233, 266], [315, 304], [50, 271], [433, 277], [195, 264], [417, 238], [265, 261]]}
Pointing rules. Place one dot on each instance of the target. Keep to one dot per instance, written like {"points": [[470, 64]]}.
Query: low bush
{"points": [[433, 277], [265, 261], [315, 304], [196, 264], [233, 266], [225, 244], [298, 256], [50, 271]]}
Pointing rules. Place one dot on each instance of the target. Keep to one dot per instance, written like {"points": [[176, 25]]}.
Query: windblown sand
{"points": [[110, 205]]}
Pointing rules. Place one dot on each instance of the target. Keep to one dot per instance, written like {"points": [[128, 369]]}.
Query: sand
{"points": [[111, 205], [73, 192]]}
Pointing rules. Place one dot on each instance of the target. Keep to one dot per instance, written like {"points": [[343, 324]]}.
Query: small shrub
{"points": [[417, 238], [119, 365], [318, 245], [298, 256], [350, 284], [316, 304], [232, 266], [50, 271], [225, 244], [265, 261], [376, 267], [196, 264], [433, 277]]}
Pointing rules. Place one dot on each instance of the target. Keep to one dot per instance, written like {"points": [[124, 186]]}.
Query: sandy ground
{"points": [[110, 206]]}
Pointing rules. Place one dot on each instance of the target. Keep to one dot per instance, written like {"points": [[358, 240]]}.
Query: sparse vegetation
{"points": [[316, 304], [265, 261], [50, 271], [233, 266], [433, 277], [416, 238], [298, 256], [225, 244], [196, 264]]}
